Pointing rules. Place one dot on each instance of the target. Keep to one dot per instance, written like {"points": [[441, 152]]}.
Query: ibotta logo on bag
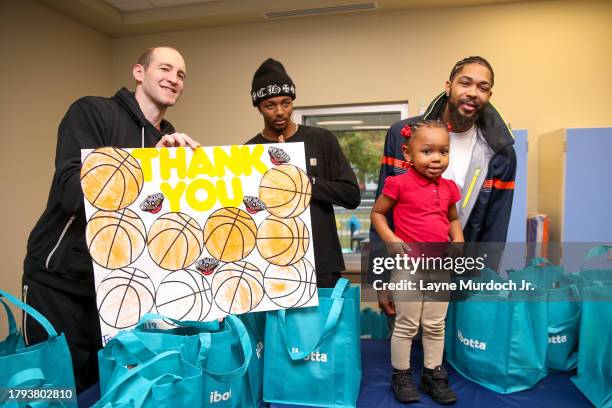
{"points": [[558, 339], [217, 396], [314, 356], [476, 344]]}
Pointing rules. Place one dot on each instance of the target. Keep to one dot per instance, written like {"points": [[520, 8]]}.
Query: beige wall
{"points": [[48, 61], [552, 62]]}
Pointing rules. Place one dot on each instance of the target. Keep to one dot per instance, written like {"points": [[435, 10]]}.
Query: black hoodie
{"points": [[57, 254]]}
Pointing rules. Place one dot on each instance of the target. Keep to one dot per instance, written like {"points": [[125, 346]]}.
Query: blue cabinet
{"points": [[575, 184], [517, 228]]}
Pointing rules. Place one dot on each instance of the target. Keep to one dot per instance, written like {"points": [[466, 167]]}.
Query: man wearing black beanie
{"points": [[333, 180]]}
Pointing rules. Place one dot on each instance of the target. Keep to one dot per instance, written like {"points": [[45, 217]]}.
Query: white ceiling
{"points": [[124, 18], [134, 5]]}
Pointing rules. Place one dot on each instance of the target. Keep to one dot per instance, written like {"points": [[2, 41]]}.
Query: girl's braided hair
{"points": [[409, 130]]}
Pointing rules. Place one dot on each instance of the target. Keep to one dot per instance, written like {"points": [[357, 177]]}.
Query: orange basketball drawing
{"points": [[229, 234], [111, 178], [282, 241], [292, 285], [115, 238], [285, 190], [175, 241], [237, 287]]}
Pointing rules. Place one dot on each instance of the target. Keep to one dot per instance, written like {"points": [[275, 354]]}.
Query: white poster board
{"points": [[197, 234]]}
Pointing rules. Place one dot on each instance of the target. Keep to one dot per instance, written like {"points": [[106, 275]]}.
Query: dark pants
{"points": [[328, 280], [76, 317]]}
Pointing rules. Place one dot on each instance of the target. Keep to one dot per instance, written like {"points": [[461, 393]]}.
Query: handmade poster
{"points": [[198, 234]]}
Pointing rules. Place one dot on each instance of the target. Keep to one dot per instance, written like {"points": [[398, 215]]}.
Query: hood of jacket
{"points": [[127, 100], [494, 129]]}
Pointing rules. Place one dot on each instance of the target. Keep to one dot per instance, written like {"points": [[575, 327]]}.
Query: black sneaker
{"points": [[404, 389], [435, 383]]}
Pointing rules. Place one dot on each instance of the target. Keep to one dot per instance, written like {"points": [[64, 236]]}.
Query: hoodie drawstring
{"points": [[142, 136]]}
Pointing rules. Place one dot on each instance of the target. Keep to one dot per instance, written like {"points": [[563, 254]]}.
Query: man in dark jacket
{"points": [[58, 276], [482, 163], [333, 181]]}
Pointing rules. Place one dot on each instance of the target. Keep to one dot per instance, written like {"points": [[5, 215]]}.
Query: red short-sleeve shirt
{"points": [[421, 210]]}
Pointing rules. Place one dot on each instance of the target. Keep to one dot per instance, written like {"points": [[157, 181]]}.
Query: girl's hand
{"points": [[396, 246]]}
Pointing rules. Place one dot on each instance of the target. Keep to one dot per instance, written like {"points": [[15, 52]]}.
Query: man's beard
{"points": [[280, 129], [458, 119]]}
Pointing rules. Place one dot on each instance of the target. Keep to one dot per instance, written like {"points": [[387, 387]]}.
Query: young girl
{"points": [[423, 205]]}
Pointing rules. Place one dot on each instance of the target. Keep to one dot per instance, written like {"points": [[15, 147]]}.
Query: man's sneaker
{"points": [[435, 383], [404, 389]]}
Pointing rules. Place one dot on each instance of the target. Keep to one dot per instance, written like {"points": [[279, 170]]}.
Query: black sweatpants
{"points": [[328, 280], [76, 317]]}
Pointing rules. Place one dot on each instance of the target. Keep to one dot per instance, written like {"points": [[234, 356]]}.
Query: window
{"points": [[361, 131]]}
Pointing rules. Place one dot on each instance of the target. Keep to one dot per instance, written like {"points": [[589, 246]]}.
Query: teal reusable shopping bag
{"points": [[373, 324], [313, 354], [498, 338], [591, 277], [42, 367], [9, 344], [564, 306], [164, 381], [145, 340], [255, 324], [594, 377], [223, 355]]}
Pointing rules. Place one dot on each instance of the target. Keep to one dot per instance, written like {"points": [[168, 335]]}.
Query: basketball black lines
{"points": [[124, 296], [290, 286], [116, 169], [111, 178], [175, 241], [115, 239], [237, 287], [285, 190], [282, 241], [229, 234], [184, 295]]}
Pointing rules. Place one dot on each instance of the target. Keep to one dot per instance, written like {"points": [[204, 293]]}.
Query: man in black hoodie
{"points": [[58, 275], [332, 178]]}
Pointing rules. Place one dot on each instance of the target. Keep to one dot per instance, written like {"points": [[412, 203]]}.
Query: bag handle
{"points": [[140, 367], [205, 343], [575, 291], [129, 341], [596, 251], [35, 378], [330, 322], [30, 311], [106, 400], [245, 342], [28, 377], [12, 326]]}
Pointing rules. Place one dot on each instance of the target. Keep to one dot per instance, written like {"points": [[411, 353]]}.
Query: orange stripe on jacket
{"points": [[498, 184], [391, 161]]}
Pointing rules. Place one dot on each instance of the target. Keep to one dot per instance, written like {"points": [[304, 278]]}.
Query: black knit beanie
{"points": [[271, 80]]}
